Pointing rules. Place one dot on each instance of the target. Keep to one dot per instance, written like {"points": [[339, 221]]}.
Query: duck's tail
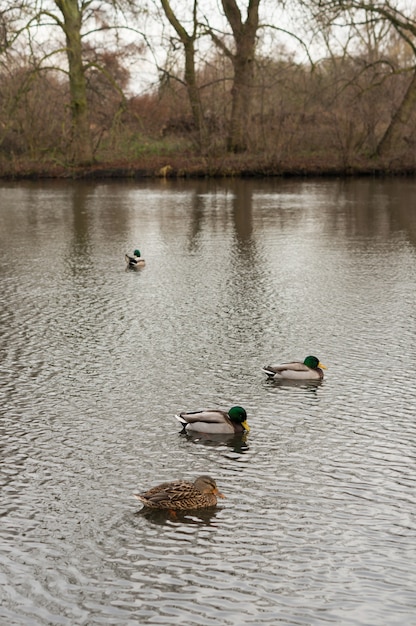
{"points": [[183, 423]]}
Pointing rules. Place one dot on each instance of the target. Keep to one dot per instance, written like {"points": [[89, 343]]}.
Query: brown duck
{"points": [[181, 495]]}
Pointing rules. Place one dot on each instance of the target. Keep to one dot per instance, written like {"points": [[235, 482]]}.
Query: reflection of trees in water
{"points": [[93, 219], [196, 219], [81, 220], [369, 207], [242, 212], [234, 201]]}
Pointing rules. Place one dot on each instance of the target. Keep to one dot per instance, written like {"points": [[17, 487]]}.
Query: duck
{"points": [[179, 495], [215, 421], [136, 261], [310, 369]]}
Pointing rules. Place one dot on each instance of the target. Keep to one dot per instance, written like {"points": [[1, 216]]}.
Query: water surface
{"points": [[318, 524]]}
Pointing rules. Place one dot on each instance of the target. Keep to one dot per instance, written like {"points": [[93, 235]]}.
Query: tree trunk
{"points": [[81, 140], [394, 133], [243, 64], [188, 42], [194, 94], [241, 98]]}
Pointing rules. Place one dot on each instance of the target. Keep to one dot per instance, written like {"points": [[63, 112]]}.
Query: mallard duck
{"points": [[181, 495], [215, 421], [136, 260], [310, 369]]}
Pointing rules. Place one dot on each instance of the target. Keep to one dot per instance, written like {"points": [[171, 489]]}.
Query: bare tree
{"points": [[188, 41], [72, 13], [242, 57], [372, 12], [79, 21]]}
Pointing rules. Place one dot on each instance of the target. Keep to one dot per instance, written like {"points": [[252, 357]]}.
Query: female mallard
{"points": [[215, 421], [181, 495], [136, 260], [310, 369]]}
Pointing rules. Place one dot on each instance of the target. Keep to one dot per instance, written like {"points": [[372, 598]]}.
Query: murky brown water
{"points": [[318, 525]]}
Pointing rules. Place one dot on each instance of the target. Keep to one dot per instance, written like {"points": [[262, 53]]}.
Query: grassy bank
{"points": [[194, 166]]}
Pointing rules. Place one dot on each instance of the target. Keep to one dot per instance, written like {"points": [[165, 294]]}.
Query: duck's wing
{"points": [[208, 421], [294, 366], [209, 416], [130, 260], [147, 495], [166, 494]]}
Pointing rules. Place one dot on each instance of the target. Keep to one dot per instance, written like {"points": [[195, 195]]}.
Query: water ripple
{"points": [[318, 522]]}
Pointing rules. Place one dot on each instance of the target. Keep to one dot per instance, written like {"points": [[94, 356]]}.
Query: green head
{"points": [[238, 414], [313, 362], [137, 253]]}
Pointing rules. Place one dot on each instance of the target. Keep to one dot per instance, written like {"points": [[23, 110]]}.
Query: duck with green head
{"points": [[310, 369], [215, 421], [136, 261]]}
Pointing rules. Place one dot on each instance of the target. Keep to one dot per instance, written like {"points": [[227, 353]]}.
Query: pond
{"points": [[318, 523]]}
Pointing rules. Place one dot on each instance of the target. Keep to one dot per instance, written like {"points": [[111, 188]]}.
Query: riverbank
{"points": [[185, 166]]}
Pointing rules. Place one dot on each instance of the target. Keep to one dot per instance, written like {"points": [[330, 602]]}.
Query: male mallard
{"points": [[215, 421], [310, 369], [136, 260], [180, 495]]}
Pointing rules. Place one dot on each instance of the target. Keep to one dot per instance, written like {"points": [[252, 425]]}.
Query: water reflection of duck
{"points": [[215, 421], [198, 517], [307, 385], [182, 495], [238, 442], [310, 369], [136, 261]]}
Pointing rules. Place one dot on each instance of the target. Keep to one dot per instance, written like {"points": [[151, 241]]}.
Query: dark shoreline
{"points": [[182, 167]]}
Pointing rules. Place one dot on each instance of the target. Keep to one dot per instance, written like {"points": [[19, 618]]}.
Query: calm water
{"points": [[318, 525]]}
